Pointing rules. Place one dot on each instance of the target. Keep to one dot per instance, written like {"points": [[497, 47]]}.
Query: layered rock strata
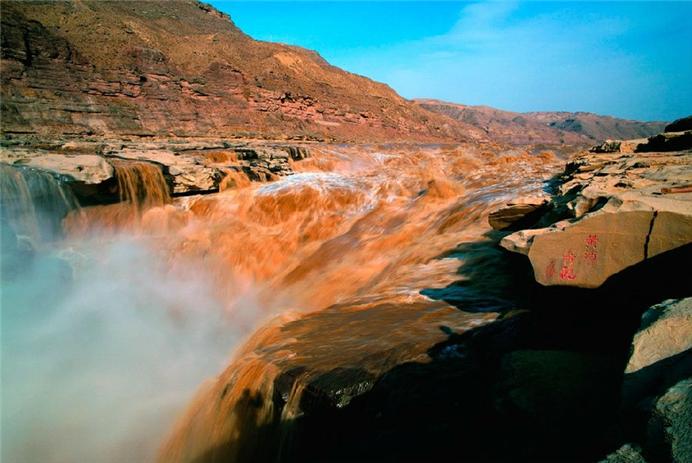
{"points": [[183, 69]]}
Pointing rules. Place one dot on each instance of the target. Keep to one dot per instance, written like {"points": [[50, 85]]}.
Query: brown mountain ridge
{"points": [[543, 127], [183, 69]]}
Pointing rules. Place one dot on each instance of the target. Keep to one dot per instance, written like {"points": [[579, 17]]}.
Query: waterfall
{"points": [[34, 203], [141, 184]]}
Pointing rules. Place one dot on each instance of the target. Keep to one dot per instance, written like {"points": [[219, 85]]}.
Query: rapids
{"points": [[112, 324]]}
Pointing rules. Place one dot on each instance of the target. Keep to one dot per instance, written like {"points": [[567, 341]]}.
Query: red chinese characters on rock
{"points": [[591, 249], [567, 270]]}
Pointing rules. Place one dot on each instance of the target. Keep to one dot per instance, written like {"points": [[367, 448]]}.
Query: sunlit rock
{"points": [[628, 208], [90, 169], [666, 331]]}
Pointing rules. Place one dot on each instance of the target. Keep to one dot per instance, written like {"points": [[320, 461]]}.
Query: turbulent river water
{"points": [[141, 330]]}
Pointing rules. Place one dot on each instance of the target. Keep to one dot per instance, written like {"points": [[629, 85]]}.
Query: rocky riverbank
{"points": [[616, 219], [619, 209], [498, 365], [189, 166]]}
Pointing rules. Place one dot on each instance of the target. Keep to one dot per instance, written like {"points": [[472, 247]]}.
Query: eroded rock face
{"points": [[627, 208], [666, 331], [661, 353], [519, 212]]}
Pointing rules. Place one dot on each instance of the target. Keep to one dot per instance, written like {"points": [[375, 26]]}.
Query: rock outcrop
{"points": [[90, 169], [624, 209], [668, 141], [669, 431], [666, 331], [625, 454], [657, 389]]}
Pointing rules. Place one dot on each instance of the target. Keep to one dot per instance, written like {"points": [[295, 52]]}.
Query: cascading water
{"points": [[33, 203], [335, 256], [141, 184], [354, 246], [102, 341]]}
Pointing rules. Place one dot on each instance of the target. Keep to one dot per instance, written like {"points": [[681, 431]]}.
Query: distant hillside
{"points": [[181, 68], [543, 127]]}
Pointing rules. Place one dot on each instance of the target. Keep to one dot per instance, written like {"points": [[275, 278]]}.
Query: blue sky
{"points": [[627, 59]]}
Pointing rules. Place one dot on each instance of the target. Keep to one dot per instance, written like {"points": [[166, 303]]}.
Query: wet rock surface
{"points": [[191, 166]]}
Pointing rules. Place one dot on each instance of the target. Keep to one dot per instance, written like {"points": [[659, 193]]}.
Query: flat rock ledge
{"points": [[622, 209], [191, 166]]}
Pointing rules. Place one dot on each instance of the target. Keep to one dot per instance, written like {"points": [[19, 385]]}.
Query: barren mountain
{"points": [[184, 69], [543, 127]]}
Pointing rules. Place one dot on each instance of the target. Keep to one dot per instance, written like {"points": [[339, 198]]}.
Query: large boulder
{"points": [[661, 354], [665, 331], [587, 252], [608, 146], [626, 209]]}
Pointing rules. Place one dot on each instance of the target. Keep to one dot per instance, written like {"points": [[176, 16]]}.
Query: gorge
{"points": [[234, 251]]}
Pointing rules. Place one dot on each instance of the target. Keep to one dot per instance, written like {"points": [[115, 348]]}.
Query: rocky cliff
{"points": [[183, 69]]}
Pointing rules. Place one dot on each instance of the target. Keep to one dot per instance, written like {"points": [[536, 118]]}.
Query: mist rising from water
{"points": [[102, 345]]}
